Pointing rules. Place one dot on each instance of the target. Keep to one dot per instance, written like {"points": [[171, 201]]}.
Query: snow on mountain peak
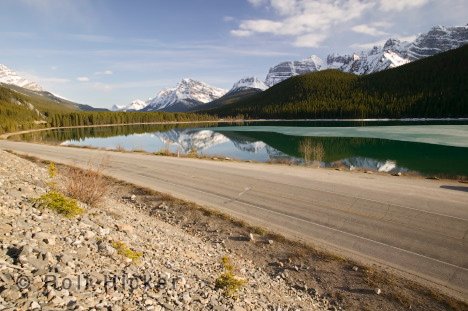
{"points": [[187, 94], [248, 83], [289, 69], [393, 53], [135, 105], [8, 76]]}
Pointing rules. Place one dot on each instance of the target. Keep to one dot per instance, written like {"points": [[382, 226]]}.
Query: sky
{"points": [[106, 52]]}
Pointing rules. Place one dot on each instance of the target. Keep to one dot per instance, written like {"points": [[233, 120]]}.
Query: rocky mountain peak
{"points": [[9, 76], [248, 83], [289, 69], [187, 94], [392, 54]]}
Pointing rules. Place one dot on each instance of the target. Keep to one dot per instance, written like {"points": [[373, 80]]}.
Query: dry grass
{"points": [[311, 152], [87, 185]]}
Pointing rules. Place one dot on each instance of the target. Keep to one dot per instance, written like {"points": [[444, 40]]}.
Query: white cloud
{"points": [[82, 79], [310, 40], [228, 19], [307, 21], [90, 38], [368, 45], [368, 30], [104, 73], [257, 2], [241, 33], [400, 5], [54, 80], [42, 79]]}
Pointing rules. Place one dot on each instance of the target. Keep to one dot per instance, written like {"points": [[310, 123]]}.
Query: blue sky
{"points": [[105, 52]]}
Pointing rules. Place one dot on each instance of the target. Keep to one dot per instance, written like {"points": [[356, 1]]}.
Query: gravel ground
{"points": [[49, 262]]}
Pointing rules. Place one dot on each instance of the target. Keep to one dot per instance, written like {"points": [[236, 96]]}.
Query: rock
{"points": [[11, 295], [104, 231], [45, 237], [186, 298], [105, 248], [125, 228], [34, 305], [149, 302], [88, 235]]}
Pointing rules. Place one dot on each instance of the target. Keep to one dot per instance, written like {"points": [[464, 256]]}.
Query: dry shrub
{"points": [[311, 152], [87, 185]]}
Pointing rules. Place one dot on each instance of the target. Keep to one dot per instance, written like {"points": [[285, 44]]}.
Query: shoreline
{"points": [[409, 174], [6, 135]]}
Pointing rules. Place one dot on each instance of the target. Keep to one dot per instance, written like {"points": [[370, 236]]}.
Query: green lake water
{"points": [[424, 147]]}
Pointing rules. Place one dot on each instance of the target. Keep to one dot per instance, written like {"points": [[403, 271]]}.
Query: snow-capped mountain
{"points": [[438, 39], [289, 69], [135, 105], [187, 95], [8, 76], [248, 83], [394, 53], [391, 55]]}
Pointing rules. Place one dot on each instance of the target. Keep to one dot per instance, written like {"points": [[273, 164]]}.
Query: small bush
{"points": [[86, 185], [59, 203], [228, 281], [124, 250]]}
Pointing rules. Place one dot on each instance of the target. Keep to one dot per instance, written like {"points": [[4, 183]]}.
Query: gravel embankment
{"points": [[50, 262]]}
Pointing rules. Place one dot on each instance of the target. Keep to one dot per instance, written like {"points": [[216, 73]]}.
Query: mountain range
{"points": [[192, 95], [432, 87], [189, 96]]}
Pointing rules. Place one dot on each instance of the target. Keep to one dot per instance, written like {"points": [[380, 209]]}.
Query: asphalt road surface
{"points": [[416, 226]]}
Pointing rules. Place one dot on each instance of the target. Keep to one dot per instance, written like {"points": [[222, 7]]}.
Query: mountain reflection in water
{"points": [[348, 152]]}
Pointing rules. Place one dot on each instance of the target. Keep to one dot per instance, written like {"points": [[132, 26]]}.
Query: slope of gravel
{"points": [[51, 262]]}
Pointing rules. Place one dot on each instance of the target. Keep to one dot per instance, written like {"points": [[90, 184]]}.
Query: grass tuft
{"points": [[60, 203], [124, 250], [227, 281]]}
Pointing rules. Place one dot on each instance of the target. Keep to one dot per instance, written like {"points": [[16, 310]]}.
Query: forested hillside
{"points": [[432, 87], [15, 112], [21, 109]]}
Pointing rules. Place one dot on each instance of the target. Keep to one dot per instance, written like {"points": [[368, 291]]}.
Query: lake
{"points": [[421, 147]]}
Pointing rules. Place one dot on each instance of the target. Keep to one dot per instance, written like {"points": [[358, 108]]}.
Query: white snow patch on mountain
{"points": [[9, 76]]}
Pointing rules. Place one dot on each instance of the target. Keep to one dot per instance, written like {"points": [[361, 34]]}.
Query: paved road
{"points": [[414, 225]]}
